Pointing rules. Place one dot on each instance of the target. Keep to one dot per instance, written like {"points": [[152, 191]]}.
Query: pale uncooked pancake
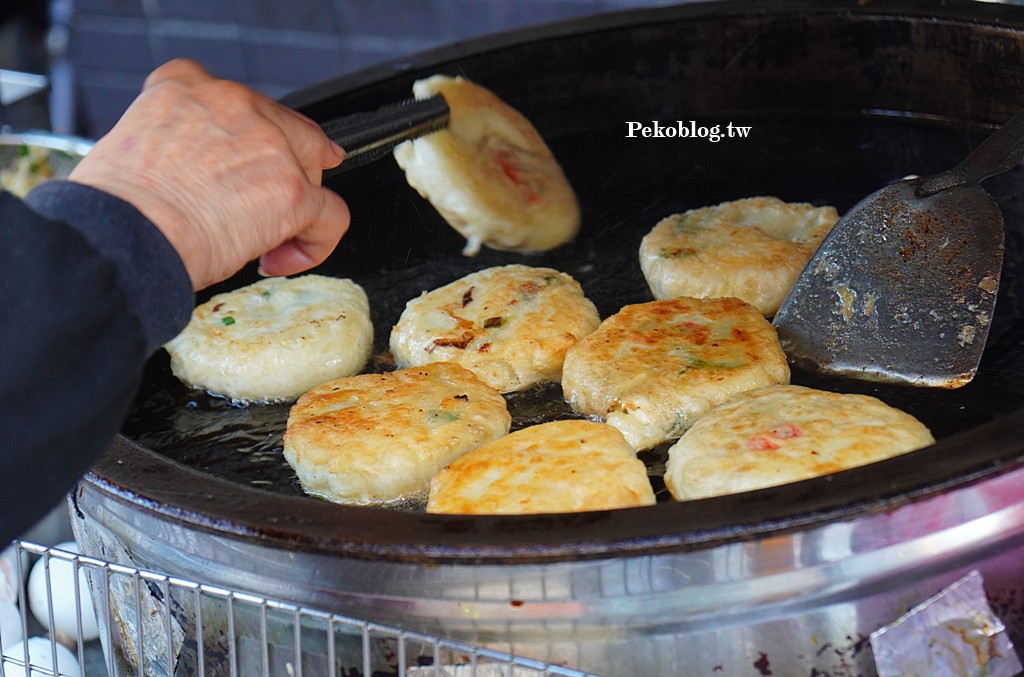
{"points": [[511, 325], [753, 249], [377, 438], [652, 369], [561, 466], [489, 174], [781, 434], [275, 339]]}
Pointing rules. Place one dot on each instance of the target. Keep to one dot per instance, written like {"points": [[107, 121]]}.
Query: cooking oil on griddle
{"points": [[399, 247]]}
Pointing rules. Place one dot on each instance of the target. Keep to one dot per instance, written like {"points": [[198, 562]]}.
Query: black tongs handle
{"points": [[371, 135]]}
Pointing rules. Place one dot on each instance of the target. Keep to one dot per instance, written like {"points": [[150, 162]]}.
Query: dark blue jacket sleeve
{"points": [[89, 288]]}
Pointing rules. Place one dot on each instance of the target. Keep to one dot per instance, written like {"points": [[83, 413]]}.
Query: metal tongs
{"points": [[369, 136]]}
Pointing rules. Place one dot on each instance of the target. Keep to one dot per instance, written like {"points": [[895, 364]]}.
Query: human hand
{"points": [[227, 174]]}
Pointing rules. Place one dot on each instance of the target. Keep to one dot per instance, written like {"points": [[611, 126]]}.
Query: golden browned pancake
{"points": [[561, 466], [782, 434], [510, 325], [376, 438], [489, 174], [753, 249], [275, 339], [652, 369]]}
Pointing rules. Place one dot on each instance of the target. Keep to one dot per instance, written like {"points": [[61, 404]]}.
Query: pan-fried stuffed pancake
{"points": [[561, 466], [652, 369], [511, 325], [753, 249], [490, 174], [376, 438], [275, 339], [782, 434]]}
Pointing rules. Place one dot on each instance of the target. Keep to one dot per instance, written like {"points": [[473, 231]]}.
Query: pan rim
{"points": [[995, 15]]}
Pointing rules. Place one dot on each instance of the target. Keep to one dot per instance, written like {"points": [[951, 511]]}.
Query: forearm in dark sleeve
{"points": [[81, 314]]}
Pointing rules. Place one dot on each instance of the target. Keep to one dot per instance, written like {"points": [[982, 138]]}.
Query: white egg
{"points": [[10, 581], [40, 659], [62, 593], [10, 624]]}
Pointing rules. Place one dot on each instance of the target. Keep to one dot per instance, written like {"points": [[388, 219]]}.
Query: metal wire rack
{"points": [[152, 624]]}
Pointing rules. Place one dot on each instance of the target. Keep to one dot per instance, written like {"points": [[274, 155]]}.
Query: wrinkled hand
{"points": [[227, 174]]}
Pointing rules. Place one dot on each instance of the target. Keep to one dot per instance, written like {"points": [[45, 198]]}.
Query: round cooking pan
{"points": [[841, 98]]}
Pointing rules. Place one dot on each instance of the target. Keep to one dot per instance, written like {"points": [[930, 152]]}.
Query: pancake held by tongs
{"points": [[903, 288]]}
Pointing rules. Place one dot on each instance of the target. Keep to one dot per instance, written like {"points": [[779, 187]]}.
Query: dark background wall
{"points": [[99, 51]]}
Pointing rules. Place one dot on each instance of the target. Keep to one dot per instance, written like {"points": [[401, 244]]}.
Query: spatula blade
{"points": [[902, 290]]}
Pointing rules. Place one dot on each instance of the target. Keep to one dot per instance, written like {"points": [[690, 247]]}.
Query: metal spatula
{"points": [[904, 287]]}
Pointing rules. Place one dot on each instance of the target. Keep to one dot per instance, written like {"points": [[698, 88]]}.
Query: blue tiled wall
{"points": [[275, 46]]}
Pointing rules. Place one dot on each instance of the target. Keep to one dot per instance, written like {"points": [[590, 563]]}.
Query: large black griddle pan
{"points": [[841, 98]]}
